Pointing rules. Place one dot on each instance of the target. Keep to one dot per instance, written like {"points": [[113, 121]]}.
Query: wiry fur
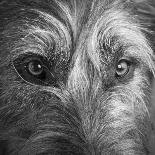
{"points": [[88, 111]]}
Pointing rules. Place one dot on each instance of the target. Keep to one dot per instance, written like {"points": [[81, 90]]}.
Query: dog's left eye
{"points": [[34, 69], [123, 67]]}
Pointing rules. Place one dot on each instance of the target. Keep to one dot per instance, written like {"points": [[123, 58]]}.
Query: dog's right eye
{"points": [[123, 67], [34, 69]]}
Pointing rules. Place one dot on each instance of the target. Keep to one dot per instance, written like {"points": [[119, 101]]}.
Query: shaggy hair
{"points": [[80, 103]]}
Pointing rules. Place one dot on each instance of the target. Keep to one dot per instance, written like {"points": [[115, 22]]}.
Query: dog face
{"points": [[75, 78]]}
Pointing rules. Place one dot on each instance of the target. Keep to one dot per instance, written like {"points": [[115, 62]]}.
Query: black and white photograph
{"points": [[77, 77]]}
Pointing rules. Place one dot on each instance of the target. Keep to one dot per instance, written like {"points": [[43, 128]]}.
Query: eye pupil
{"points": [[35, 67]]}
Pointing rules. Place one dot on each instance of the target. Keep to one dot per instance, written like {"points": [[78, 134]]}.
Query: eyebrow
{"points": [[61, 17]]}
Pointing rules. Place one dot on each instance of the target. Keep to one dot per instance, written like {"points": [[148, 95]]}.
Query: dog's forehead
{"points": [[69, 22], [75, 26]]}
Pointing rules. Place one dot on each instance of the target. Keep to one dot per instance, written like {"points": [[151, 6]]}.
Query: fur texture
{"points": [[81, 107]]}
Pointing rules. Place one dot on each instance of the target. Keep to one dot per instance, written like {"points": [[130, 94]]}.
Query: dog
{"points": [[75, 78]]}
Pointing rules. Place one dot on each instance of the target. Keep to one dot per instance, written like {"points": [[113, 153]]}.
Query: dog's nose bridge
{"points": [[78, 78], [84, 79], [85, 63]]}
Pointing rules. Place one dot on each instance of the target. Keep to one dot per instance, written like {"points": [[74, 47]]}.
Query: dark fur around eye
{"points": [[26, 67]]}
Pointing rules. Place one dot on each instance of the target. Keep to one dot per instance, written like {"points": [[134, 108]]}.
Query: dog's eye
{"points": [[34, 69], [123, 68]]}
